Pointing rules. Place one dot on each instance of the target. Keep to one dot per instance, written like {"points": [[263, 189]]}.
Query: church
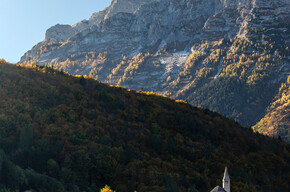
{"points": [[226, 183]]}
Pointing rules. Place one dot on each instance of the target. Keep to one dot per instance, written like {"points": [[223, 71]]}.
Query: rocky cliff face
{"points": [[61, 33], [210, 52]]}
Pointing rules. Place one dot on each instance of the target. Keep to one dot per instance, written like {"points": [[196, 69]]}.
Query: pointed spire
{"points": [[226, 181], [226, 174]]}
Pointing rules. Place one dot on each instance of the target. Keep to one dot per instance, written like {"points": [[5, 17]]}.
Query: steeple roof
{"points": [[226, 174], [218, 189]]}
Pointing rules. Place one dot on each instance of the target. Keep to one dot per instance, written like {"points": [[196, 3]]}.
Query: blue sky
{"points": [[23, 22]]}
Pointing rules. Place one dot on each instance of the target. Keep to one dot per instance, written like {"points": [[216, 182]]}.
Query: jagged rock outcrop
{"points": [[61, 33], [227, 55]]}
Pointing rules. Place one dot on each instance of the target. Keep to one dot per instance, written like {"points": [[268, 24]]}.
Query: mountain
{"points": [[59, 133], [61, 33], [65, 133], [229, 56]]}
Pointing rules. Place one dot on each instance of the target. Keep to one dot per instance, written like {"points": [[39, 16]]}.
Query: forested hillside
{"points": [[277, 120], [65, 133]]}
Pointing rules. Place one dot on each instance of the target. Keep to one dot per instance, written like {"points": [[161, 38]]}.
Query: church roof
{"points": [[226, 175], [218, 189]]}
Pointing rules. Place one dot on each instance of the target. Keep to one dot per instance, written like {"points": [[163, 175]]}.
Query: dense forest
{"points": [[64, 133]]}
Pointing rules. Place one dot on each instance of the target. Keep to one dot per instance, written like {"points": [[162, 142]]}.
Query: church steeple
{"points": [[226, 181]]}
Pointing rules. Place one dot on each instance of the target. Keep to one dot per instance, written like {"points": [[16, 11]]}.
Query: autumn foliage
{"points": [[64, 133]]}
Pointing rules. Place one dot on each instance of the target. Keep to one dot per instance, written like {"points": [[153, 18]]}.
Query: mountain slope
{"points": [[276, 121], [62, 133], [183, 49]]}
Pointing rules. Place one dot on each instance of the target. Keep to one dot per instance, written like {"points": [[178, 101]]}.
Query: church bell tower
{"points": [[226, 181]]}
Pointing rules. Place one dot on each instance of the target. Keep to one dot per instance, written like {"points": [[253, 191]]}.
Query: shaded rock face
{"points": [[182, 49]]}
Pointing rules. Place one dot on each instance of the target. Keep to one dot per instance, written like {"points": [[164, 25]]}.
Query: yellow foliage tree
{"points": [[106, 189]]}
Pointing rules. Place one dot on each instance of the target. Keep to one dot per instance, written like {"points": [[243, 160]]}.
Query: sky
{"points": [[23, 23]]}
